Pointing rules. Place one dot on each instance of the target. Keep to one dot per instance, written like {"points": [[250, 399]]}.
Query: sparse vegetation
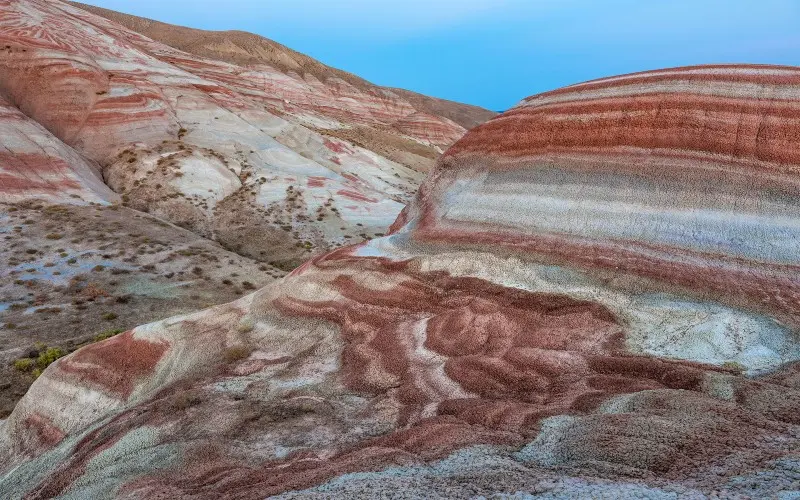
{"points": [[23, 364], [35, 366], [110, 316], [734, 366], [183, 400], [107, 334], [236, 353]]}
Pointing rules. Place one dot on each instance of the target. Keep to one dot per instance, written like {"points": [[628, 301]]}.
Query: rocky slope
{"points": [[247, 49], [274, 160], [594, 294], [277, 166]]}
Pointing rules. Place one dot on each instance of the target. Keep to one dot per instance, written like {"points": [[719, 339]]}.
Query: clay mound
{"points": [[607, 317]]}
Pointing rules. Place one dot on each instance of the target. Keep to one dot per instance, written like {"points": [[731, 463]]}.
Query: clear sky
{"points": [[495, 52]]}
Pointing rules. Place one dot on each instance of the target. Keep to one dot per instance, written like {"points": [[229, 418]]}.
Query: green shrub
{"points": [[107, 334], [109, 316], [23, 364], [48, 356], [236, 353]]}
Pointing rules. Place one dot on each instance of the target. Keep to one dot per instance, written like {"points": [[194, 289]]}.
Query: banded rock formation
{"points": [[35, 164], [593, 294], [272, 163], [247, 49]]}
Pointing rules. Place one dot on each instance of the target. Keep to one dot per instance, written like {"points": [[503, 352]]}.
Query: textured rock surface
{"points": [[35, 164], [228, 151], [613, 312], [247, 49]]}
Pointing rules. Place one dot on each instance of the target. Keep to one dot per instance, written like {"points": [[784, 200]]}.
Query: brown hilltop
{"points": [[245, 49]]}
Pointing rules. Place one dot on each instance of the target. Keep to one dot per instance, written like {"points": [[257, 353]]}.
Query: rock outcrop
{"points": [[595, 293], [277, 163]]}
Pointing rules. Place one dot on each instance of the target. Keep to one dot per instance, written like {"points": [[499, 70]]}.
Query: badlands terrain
{"points": [[149, 170], [593, 295], [224, 280]]}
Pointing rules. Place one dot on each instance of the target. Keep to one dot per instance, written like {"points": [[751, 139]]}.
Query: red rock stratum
{"points": [[275, 156], [593, 294]]}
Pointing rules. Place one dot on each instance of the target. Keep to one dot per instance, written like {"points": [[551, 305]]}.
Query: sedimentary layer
{"points": [[605, 317], [34, 163], [216, 147]]}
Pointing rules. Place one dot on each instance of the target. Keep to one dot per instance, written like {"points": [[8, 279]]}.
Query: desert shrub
{"points": [[734, 366], [48, 356], [236, 353], [107, 334], [23, 364], [184, 400], [49, 310], [110, 316]]}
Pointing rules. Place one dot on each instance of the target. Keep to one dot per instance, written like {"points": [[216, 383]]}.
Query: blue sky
{"points": [[495, 52]]}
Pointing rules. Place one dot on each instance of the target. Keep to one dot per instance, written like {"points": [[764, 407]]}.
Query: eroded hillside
{"points": [[594, 294], [139, 181]]}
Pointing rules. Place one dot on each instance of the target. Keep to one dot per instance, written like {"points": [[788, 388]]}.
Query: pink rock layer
{"points": [[178, 134], [434, 130], [621, 317], [34, 163]]}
